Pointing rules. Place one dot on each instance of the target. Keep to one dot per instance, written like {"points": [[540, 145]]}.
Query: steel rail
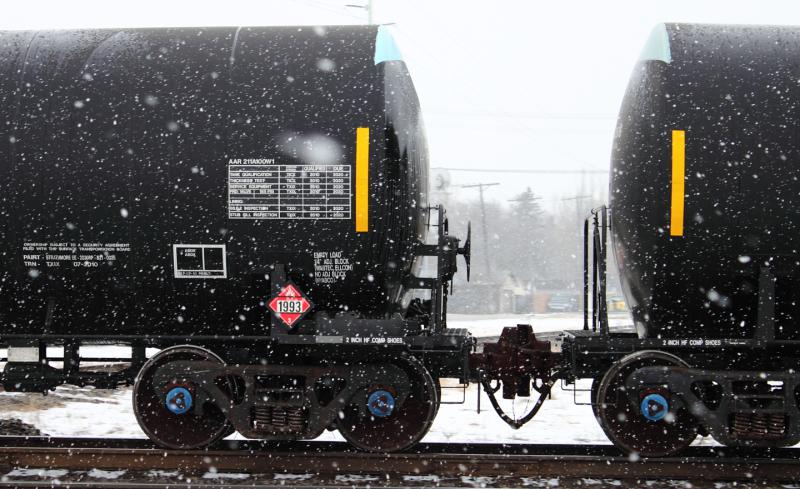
{"points": [[444, 460], [114, 484]]}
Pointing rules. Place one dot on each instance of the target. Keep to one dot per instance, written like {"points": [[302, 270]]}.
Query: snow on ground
{"points": [[109, 414], [73, 411], [490, 325]]}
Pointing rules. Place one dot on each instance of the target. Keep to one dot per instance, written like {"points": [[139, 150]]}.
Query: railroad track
{"points": [[335, 461]]}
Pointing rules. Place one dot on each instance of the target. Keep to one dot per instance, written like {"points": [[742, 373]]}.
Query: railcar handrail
{"points": [[599, 224]]}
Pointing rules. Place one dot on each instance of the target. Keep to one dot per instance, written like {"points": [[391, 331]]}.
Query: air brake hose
{"points": [[516, 423]]}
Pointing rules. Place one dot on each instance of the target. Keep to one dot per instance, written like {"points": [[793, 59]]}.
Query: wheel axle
{"points": [[179, 400], [381, 403], [654, 407]]}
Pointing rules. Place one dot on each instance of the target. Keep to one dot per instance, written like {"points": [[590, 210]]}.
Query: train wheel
{"points": [[593, 396], [626, 425], [438, 384], [166, 413], [386, 425]]}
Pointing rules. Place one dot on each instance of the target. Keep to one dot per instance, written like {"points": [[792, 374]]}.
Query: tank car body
{"points": [[704, 183], [154, 177], [251, 200]]}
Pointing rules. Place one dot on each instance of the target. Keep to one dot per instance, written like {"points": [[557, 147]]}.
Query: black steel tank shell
{"points": [[152, 177], [734, 92]]}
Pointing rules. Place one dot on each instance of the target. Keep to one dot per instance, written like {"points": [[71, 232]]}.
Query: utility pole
{"points": [[367, 7], [480, 187], [528, 198], [578, 208]]}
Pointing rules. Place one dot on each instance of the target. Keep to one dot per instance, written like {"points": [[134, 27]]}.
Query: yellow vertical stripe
{"points": [[362, 179], [678, 173]]}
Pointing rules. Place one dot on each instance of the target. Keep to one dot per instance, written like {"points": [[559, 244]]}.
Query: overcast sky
{"points": [[508, 85]]}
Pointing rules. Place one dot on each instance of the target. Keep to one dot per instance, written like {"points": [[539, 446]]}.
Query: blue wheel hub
{"points": [[654, 407], [179, 400], [381, 403]]}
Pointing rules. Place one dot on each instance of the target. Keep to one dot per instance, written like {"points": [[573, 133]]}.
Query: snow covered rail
{"points": [[21, 458]]}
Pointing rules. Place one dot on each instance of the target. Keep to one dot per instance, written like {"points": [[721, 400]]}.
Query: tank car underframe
{"points": [[445, 355], [29, 369], [742, 392]]}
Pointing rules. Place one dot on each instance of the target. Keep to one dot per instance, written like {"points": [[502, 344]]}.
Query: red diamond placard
{"points": [[289, 305]]}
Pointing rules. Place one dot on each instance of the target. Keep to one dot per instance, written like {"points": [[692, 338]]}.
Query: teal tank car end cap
{"points": [[657, 46], [385, 47]]}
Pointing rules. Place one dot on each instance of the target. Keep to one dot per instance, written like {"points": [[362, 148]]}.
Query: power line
{"points": [[367, 7], [334, 9], [520, 115]]}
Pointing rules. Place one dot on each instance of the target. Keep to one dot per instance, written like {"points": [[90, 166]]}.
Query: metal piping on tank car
{"points": [[600, 225], [446, 251]]}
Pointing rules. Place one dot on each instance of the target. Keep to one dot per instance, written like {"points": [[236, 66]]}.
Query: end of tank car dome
{"points": [[385, 46], [657, 46]]}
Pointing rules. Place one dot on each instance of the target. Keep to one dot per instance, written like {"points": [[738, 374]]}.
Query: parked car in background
{"points": [[617, 303], [562, 303]]}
